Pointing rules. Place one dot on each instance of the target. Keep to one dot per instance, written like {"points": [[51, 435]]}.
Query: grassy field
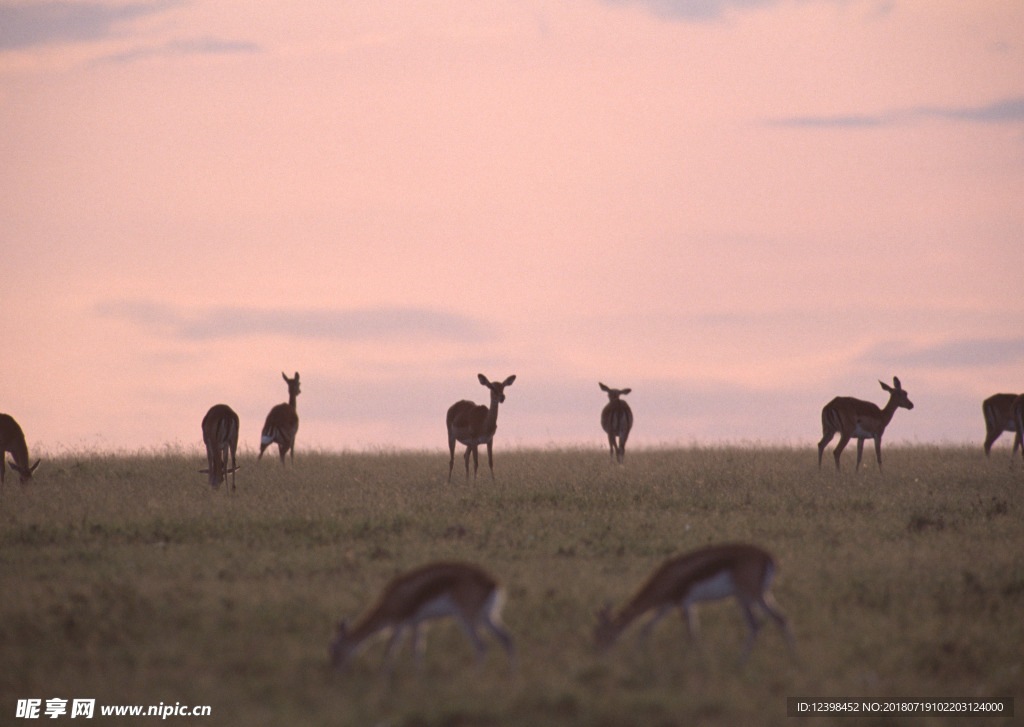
{"points": [[127, 580]]}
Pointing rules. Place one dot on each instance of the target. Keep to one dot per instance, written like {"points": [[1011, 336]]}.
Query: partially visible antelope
{"points": [[462, 591], [12, 440], [998, 411], [861, 419], [282, 423], [1018, 424], [220, 434], [741, 571], [616, 420], [474, 424]]}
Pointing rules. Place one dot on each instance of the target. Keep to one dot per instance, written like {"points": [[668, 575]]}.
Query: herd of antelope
{"points": [[474, 424], [474, 598]]}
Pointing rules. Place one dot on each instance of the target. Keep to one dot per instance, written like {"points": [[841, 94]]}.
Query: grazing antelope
{"points": [[473, 424], [462, 591], [282, 423], [1018, 424], [220, 434], [616, 420], [998, 411], [12, 440], [709, 574], [861, 419]]}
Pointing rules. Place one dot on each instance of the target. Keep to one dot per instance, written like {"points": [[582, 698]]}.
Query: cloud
{"points": [[28, 25], [957, 353], [180, 48], [696, 10], [225, 322], [1009, 110], [847, 121], [1004, 111], [712, 10], [25, 25]]}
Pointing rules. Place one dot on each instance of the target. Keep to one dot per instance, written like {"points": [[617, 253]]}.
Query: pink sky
{"points": [[738, 208]]}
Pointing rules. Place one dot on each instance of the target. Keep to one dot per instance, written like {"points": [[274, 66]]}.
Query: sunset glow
{"points": [[738, 209]]}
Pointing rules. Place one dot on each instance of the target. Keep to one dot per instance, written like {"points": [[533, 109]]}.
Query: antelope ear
{"points": [[483, 380], [625, 391], [603, 387], [885, 386], [23, 470], [896, 381], [284, 376], [509, 380]]}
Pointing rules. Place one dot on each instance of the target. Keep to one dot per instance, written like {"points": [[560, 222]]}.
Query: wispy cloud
{"points": [[713, 10], [24, 25], [29, 25], [956, 353], [1009, 110], [225, 322], [181, 48], [840, 121], [1004, 111], [696, 10]]}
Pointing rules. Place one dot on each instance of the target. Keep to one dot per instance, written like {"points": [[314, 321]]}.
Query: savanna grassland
{"points": [[127, 579]]}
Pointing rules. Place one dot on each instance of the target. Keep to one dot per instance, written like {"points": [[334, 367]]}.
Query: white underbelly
{"points": [[714, 588], [440, 607]]}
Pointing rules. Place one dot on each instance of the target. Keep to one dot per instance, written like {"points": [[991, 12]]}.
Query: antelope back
{"points": [[617, 417], [220, 433], [12, 440], [998, 411], [220, 426]]}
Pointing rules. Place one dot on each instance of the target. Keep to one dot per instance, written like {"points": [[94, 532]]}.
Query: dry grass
{"points": [[128, 580]]}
